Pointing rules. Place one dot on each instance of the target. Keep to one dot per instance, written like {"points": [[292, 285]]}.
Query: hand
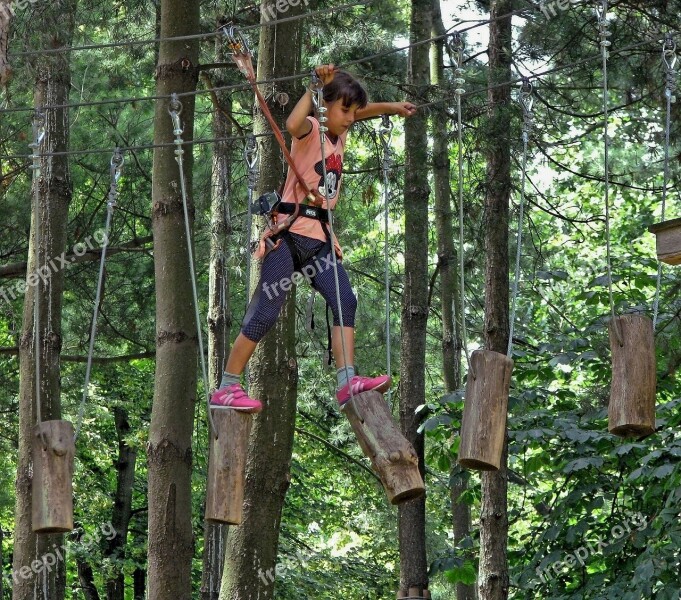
{"points": [[404, 109], [325, 73]]}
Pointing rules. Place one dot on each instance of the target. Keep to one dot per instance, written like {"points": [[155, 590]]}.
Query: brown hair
{"points": [[346, 88]]}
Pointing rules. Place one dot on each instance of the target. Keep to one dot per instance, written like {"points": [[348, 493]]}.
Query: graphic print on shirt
{"points": [[334, 168]]}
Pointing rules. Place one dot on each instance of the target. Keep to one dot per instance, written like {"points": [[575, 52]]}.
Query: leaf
{"points": [[464, 574], [583, 463]]}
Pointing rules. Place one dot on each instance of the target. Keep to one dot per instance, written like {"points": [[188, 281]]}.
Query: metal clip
{"points": [[237, 42], [669, 52], [38, 131], [116, 168], [251, 158]]}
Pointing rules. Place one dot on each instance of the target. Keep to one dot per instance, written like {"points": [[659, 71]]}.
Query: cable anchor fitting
{"points": [[251, 158], [527, 102], [175, 110], [38, 137], [116, 168], [318, 101], [670, 57]]}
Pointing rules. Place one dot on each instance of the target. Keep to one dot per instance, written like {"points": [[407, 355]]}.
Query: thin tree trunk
{"points": [[252, 547], [411, 515], [171, 542], [449, 292], [493, 576], [6, 14], [139, 584], [219, 310], [55, 23], [122, 508], [87, 580]]}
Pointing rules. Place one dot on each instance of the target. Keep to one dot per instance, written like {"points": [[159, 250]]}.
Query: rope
{"points": [[457, 56], [182, 38], [251, 158], [116, 169], [526, 102], [385, 133], [318, 101], [602, 13], [175, 109], [669, 58], [38, 137]]}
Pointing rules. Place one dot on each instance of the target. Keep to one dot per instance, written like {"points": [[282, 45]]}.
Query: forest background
{"points": [[589, 515]]}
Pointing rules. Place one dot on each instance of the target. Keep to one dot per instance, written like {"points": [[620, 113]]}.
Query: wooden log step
{"points": [[392, 456], [483, 426], [631, 411], [227, 466], [668, 241], [52, 485]]}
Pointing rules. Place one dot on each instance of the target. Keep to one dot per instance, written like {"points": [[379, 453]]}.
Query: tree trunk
{"points": [[219, 311], [139, 584], [171, 542], [493, 576], [54, 26], [252, 547], [411, 515], [449, 292], [122, 508], [6, 14], [87, 580]]}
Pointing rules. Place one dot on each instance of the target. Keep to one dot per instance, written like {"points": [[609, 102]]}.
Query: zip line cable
{"points": [[669, 58], [515, 80], [605, 33], [385, 132], [115, 169], [318, 101], [175, 109], [526, 101], [457, 51], [38, 137]]}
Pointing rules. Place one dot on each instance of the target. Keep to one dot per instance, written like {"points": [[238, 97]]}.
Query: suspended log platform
{"points": [[631, 411], [52, 486], [227, 466], [483, 426], [668, 241], [392, 456]]}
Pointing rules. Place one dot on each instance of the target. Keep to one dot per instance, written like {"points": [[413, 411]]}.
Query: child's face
{"points": [[340, 117]]}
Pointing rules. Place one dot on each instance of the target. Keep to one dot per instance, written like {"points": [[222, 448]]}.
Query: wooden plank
{"points": [[668, 241]]}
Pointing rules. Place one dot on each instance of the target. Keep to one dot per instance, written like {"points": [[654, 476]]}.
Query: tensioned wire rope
{"points": [[115, 170], [602, 14], [515, 80], [206, 35], [669, 59], [237, 87]]}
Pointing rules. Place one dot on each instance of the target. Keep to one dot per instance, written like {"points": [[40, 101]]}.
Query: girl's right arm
{"points": [[297, 124]]}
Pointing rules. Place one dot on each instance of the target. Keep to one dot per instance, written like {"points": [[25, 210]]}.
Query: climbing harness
{"points": [[38, 137], [669, 59], [318, 101], [175, 109], [526, 102], [605, 33], [116, 168], [385, 132], [241, 55], [458, 56]]}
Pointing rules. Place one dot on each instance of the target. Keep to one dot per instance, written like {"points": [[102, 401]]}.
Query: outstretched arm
{"points": [[376, 109]]}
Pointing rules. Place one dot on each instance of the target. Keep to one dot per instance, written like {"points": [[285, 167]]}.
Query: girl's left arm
{"points": [[376, 109]]}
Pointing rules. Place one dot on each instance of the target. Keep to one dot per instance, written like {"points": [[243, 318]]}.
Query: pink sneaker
{"points": [[234, 397], [363, 384]]}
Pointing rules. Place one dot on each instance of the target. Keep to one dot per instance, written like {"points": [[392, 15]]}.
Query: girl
{"points": [[307, 247]]}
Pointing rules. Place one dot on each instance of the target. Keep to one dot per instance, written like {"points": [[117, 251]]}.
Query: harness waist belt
{"points": [[311, 212]]}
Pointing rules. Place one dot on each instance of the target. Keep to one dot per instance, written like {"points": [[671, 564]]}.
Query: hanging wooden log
{"points": [[668, 241], [52, 486], [227, 466], [390, 453], [631, 411], [483, 427]]}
